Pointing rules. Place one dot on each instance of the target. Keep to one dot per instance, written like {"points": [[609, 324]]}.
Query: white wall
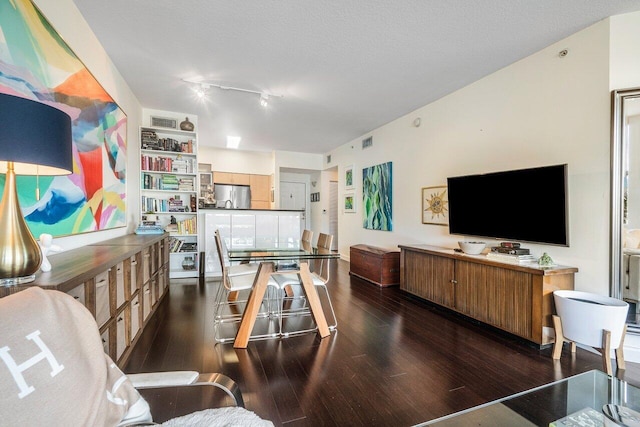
{"points": [[320, 210], [541, 110], [625, 51], [178, 117], [238, 161], [289, 160], [69, 23]]}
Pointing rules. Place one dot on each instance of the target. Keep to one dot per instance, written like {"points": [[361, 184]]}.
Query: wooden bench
{"points": [[377, 265]]}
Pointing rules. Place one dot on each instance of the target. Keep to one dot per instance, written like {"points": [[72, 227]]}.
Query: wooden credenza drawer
{"points": [[377, 265]]}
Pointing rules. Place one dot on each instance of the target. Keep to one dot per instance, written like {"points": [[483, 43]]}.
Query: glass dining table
{"points": [[274, 261], [303, 253]]}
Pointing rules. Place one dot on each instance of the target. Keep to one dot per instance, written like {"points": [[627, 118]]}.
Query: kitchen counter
{"points": [[265, 210], [246, 229]]}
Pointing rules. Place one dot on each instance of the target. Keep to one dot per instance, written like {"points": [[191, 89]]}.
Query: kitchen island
{"points": [[247, 229]]}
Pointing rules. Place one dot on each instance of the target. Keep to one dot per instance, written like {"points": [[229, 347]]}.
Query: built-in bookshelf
{"points": [[168, 190]]}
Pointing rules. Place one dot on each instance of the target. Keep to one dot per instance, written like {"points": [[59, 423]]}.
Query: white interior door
{"points": [[293, 195]]}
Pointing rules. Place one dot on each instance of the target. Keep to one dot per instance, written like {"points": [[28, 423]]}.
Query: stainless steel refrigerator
{"points": [[232, 196]]}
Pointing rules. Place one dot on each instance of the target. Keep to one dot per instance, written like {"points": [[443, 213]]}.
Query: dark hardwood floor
{"points": [[393, 361]]}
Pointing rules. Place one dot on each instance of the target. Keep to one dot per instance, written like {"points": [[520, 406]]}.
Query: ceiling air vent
{"points": [[163, 122], [367, 142], [329, 158]]}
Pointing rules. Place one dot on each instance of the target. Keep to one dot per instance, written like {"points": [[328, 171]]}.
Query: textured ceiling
{"points": [[343, 67]]}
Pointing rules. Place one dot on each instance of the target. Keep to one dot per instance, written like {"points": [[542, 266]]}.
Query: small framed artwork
{"points": [[435, 209], [349, 181], [349, 203]]}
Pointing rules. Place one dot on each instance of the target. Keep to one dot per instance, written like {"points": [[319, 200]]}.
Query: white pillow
{"points": [[631, 241]]}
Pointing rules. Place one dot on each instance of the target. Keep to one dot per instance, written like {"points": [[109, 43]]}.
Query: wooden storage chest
{"points": [[377, 265]]}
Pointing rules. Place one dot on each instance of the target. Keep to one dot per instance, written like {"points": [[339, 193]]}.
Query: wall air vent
{"points": [[329, 158], [163, 122], [367, 142]]}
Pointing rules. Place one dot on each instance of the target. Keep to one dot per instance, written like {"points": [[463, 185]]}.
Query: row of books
{"points": [[153, 204], [168, 164], [186, 226], [167, 182], [149, 229], [150, 141], [179, 245], [513, 258]]}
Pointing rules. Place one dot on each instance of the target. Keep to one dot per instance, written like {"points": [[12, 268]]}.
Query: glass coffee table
{"points": [[574, 401]]}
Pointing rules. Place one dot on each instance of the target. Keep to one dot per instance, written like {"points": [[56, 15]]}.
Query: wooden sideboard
{"points": [[120, 281], [516, 298]]}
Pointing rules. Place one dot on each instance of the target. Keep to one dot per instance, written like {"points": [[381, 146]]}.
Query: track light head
{"points": [[264, 100], [201, 90]]}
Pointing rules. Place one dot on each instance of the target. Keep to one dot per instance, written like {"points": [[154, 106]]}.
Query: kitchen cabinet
{"points": [[516, 298], [260, 191], [231, 178], [260, 186]]}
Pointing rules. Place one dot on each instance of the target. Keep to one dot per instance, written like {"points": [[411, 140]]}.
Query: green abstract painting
{"points": [[377, 197]]}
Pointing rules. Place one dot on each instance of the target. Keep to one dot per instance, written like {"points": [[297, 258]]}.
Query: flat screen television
{"points": [[528, 205]]}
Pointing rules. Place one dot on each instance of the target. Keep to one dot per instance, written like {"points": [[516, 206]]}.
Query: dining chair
{"points": [[235, 279], [320, 277], [307, 236]]}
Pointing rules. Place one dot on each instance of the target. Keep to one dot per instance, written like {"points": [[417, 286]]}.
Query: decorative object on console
{"points": [[35, 139], [545, 260], [46, 246], [186, 125], [435, 205], [472, 248], [377, 197]]}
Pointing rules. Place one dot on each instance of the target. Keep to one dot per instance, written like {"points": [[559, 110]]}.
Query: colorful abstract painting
{"points": [[377, 197], [35, 63]]}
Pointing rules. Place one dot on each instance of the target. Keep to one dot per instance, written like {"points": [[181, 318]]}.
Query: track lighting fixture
{"points": [[203, 87]]}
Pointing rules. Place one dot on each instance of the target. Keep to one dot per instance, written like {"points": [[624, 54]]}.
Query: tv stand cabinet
{"points": [[516, 298]]}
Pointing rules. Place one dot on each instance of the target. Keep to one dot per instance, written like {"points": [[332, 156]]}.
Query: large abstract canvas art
{"points": [[35, 63], [377, 200]]}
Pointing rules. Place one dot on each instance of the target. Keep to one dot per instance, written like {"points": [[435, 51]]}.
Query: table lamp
{"points": [[35, 139]]}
